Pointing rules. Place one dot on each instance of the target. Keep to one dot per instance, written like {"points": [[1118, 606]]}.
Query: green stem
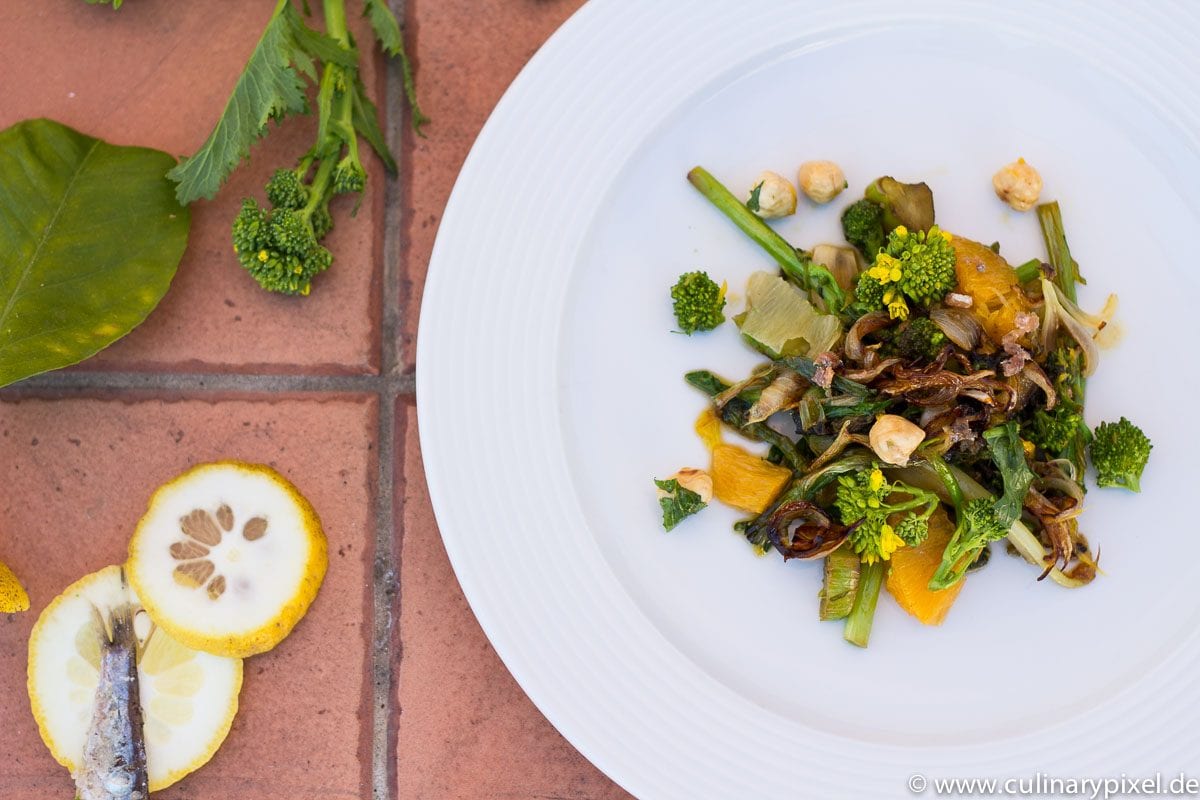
{"points": [[335, 20], [862, 614], [801, 270], [1030, 270], [1066, 271], [318, 189]]}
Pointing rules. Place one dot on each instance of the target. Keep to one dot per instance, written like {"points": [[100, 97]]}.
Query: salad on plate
{"points": [[920, 397]]}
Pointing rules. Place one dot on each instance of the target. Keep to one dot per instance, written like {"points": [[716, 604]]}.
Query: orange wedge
{"points": [[745, 481], [912, 567]]}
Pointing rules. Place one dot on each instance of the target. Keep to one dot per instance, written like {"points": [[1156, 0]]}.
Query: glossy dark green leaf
{"points": [[90, 237]]}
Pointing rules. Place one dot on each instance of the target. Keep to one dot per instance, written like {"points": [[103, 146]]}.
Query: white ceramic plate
{"points": [[550, 391]]}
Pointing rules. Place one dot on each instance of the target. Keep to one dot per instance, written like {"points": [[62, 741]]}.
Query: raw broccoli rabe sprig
{"points": [[677, 502], [862, 225], [913, 266], [698, 302], [867, 500], [920, 339], [1119, 452], [280, 245]]}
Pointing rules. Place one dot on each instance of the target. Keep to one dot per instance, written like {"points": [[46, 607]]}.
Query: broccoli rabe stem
{"points": [[1028, 271], [1066, 271], [797, 266], [862, 613], [1072, 384]]}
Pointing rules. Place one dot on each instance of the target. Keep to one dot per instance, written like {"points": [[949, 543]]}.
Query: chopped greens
{"points": [[678, 503]]}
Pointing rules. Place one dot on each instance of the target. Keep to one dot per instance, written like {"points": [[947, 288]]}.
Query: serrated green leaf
{"points": [[387, 31], [90, 237], [270, 87], [365, 118]]}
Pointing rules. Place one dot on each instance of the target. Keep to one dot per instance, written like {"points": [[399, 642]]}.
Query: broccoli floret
{"points": [[677, 503], [349, 175], [926, 262], [278, 248], [698, 301], [1119, 452], [878, 288], [286, 189], [978, 525], [862, 224], [1054, 431], [867, 500], [920, 339], [913, 529]]}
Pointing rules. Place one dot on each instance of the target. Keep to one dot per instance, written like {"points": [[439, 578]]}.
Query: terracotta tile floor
{"points": [[389, 688]]}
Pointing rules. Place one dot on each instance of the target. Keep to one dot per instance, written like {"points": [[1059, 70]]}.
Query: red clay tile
{"points": [[466, 729], [76, 477], [158, 74], [466, 54]]}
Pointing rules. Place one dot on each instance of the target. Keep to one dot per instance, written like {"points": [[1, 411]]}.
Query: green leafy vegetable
{"points": [[869, 502], [270, 87], [977, 527], [921, 339], [1120, 451], [698, 302], [114, 3], [752, 203], [862, 225], [1004, 444], [280, 246], [387, 31], [90, 237], [678, 503]]}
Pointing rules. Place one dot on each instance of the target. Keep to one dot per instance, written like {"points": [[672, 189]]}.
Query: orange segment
{"points": [[992, 285], [912, 567], [708, 427], [745, 481]]}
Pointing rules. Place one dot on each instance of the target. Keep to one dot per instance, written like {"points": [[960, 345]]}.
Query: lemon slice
{"points": [[12, 595], [228, 558], [188, 698]]}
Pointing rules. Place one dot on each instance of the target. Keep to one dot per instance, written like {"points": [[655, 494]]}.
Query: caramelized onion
{"points": [[802, 530], [866, 325], [959, 326]]}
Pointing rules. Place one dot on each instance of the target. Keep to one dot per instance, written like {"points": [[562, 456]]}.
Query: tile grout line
{"points": [[386, 575], [198, 382]]}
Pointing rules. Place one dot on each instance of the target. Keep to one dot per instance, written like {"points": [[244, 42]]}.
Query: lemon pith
{"points": [[189, 698], [228, 558]]}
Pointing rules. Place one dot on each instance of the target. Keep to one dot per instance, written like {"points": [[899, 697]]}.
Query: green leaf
{"points": [[1004, 442], [269, 88], [90, 237], [387, 31], [753, 202], [365, 119], [678, 504]]}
